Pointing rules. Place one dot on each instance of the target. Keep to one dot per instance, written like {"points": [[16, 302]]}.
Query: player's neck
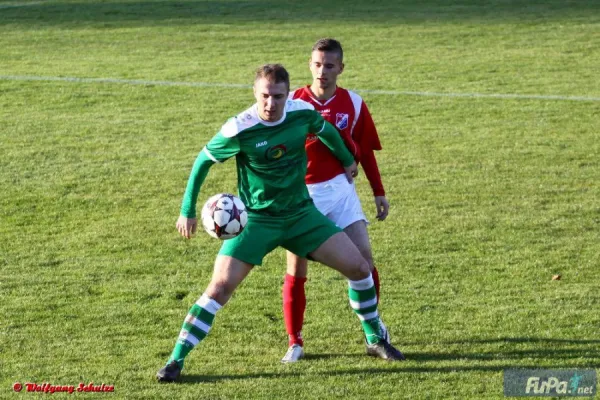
{"points": [[323, 93]]}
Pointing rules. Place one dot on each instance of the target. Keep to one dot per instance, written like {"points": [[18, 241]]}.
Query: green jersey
{"points": [[270, 156]]}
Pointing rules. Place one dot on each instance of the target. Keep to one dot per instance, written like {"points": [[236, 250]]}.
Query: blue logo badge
{"points": [[341, 121]]}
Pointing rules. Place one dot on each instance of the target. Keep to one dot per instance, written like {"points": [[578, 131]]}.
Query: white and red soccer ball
{"points": [[224, 216]]}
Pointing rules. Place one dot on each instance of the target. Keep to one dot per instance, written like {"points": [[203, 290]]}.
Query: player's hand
{"points": [[383, 207], [351, 172], [186, 226]]}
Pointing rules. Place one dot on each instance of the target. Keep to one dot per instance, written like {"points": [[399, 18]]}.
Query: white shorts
{"points": [[337, 200]]}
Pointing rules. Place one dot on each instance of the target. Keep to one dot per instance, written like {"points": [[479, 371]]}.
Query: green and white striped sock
{"points": [[196, 326], [363, 300]]}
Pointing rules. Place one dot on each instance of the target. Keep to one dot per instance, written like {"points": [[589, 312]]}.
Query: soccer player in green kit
{"points": [[268, 142]]}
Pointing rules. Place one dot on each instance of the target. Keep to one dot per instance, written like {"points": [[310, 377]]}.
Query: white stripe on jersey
{"points": [[357, 103], [205, 150], [323, 127], [330, 100], [244, 120], [249, 118], [298, 105]]}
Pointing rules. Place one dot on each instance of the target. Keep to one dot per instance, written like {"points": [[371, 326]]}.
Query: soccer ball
{"points": [[224, 216]]}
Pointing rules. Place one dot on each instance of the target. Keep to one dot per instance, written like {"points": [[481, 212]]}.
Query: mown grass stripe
{"points": [[144, 82]]}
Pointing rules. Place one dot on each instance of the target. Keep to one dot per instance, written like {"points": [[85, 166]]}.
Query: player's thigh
{"points": [[339, 253], [306, 230], [260, 236], [228, 273], [357, 232], [296, 266]]}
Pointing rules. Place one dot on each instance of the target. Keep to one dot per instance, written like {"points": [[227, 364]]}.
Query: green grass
{"points": [[490, 196]]}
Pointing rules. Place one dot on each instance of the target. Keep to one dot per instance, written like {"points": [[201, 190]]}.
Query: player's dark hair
{"points": [[275, 73], [329, 45]]}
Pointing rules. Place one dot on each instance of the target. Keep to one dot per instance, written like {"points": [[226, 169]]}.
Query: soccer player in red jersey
{"points": [[325, 179]]}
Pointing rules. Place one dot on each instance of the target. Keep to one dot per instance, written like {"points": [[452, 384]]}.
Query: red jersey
{"points": [[349, 114]]}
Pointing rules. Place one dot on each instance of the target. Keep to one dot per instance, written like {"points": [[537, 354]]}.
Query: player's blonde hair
{"points": [[275, 73]]}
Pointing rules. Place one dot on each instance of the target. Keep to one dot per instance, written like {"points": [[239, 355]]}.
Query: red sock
{"points": [[376, 281], [294, 304]]}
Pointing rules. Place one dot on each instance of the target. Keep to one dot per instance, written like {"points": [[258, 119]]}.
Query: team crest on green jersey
{"points": [[275, 152]]}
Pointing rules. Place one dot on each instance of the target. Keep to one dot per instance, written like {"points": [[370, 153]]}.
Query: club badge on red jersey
{"points": [[341, 120]]}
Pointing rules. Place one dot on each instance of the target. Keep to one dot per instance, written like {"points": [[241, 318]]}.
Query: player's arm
{"points": [[187, 222], [368, 141], [369, 164], [199, 171], [332, 139], [219, 149]]}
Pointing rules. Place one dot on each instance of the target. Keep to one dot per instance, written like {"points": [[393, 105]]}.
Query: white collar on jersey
{"points": [[319, 102], [267, 123]]}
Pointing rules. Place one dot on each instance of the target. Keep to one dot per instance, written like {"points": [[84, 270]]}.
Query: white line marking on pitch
{"points": [[121, 81], [242, 86], [35, 3]]}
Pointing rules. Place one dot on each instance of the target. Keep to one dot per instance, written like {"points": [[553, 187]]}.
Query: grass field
{"points": [[488, 111]]}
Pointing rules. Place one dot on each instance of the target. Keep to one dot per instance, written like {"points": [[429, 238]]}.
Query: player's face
{"points": [[325, 68], [271, 98]]}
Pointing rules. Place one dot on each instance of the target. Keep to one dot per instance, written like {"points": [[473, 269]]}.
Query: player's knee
{"points": [[297, 269], [361, 270], [369, 259], [296, 266], [365, 268], [220, 291]]}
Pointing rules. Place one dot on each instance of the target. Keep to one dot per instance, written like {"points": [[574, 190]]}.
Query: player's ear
{"points": [[342, 68]]}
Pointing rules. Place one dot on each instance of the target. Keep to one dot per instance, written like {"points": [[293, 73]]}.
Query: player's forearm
{"points": [[332, 139], [369, 164], [197, 176]]}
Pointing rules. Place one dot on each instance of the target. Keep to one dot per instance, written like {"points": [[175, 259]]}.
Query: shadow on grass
{"points": [[351, 11], [511, 340], [362, 371], [548, 356], [545, 348], [330, 356]]}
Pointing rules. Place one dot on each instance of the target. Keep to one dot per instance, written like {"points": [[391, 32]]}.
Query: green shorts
{"points": [[301, 233]]}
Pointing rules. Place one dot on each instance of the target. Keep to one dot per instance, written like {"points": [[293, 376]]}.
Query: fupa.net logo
{"points": [[556, 383], [554, 386]]}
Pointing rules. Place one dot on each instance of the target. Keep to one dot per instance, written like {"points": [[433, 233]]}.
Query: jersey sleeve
{"points": [[369, 164], [197, 176], [367, 139], [224, 144], [368, 133]]}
